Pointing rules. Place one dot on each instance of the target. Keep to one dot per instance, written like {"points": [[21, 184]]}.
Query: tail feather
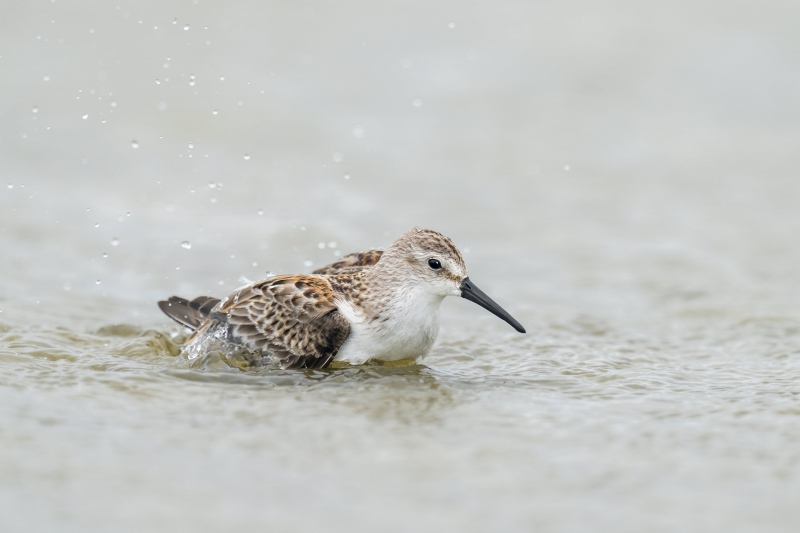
{"points": [[189, 314]]}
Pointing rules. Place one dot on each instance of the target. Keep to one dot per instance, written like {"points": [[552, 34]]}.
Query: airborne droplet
{"points": [[186, 244]]}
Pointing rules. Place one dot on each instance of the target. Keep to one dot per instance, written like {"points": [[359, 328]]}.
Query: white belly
{"points": [[406, 334]]}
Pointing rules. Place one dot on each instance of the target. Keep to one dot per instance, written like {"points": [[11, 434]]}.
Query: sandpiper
{"points": [[381, 305]]}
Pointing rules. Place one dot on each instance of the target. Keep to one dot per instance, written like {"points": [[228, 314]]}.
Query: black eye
{"points": [[434, 264]]}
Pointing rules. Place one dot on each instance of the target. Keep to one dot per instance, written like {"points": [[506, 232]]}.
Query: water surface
{"points": [[623, 179]]}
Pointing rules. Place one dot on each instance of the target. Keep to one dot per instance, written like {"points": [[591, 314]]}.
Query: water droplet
{"points": [[46, 78], [321, 245], [105, 255], [97, 282], [215, 112], [221, 282], [347, 176], [162, 106], [338, 157], [358, 132], [233, 256], [158, 82], [67, 287], [186, 244], [255, 264], [10, 185], [566, 168], [191, 146], [84, 117], [115, 242], [96, 224], [134, 145], [177, 268], [247, 157], [113, 104], [308, 263], [451, 25], [213, 200], [332, 244], [302, 228], [212, 185], [416, 102], [186, 27], [260, 211], [35, 109], [128, 214], [222, 78]]}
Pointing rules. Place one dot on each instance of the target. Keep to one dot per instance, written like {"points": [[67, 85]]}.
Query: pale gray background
{"points": [[622, 176]]}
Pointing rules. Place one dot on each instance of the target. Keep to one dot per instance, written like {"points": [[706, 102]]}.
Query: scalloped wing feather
{"points": [[291, 318], [351, 262]]}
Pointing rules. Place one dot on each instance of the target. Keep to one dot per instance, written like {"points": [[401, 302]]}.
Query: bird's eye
{"points": [[434, 264]]}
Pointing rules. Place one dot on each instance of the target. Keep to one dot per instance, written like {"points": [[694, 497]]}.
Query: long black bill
{"points": [[474, 294]]}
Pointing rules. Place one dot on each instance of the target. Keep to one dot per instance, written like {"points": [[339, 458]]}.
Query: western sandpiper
{"points": [[381, 305]]}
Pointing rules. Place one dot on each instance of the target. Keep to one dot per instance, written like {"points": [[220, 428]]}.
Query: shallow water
{"points": [[622, 179]]}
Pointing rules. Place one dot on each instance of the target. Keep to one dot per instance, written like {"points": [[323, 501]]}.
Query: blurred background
{"points": [[622, 176]]}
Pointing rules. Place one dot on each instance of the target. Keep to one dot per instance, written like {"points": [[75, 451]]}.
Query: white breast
{"points": [[406, 329]]}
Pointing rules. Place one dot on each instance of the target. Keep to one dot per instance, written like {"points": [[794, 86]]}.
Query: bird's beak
{"points": [[474, 294]]}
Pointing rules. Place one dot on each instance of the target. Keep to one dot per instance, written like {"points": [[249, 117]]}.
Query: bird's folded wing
{"points": [[351, 262], [292, 318]]}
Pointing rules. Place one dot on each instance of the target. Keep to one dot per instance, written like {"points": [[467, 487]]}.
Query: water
{"points": [[622, 178]]}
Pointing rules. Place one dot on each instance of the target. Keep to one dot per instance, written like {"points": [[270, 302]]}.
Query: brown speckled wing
{"points": [[291, 318], [351, 262]]}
